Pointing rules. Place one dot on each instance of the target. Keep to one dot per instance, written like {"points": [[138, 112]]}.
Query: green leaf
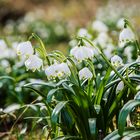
{"points": [[124, 113], [128, 134], [92, 127], [7, 77], [51, 93], [66, 137], [101, 87], [57, 110]]}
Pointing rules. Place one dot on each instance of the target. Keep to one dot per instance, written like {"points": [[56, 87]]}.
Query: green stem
{"points": [[113, 68]]}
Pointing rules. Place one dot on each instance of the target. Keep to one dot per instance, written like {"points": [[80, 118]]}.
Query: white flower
{"points": [[82, 52], [25, 48], [33, 63], [83, 33], [108, 50], [57, 70], [138, 58], [85, 73], [2, 45], [116, 61], [102, 39], [99, 26], [120, 23], [120, 87], [126, 35], [128, 52]]}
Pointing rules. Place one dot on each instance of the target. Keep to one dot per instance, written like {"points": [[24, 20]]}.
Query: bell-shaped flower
{"points": [[116, 61], [99, 26], [34, 63], [25, 49], [57, 71], [127, 35], [83, 33], [82, 53], [85, 73], [120, 23], [3, 45], [120, 87]]}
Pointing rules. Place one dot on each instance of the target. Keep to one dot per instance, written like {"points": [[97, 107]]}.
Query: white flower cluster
{"points": [[33, 62], [82, 53], [57, 71]]}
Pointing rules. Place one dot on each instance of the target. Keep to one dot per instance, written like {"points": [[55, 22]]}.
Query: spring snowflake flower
{"points": [[99, 26], [85, 73], [102, 39], [120, 23], [2, 44], [126, 35], [120, 87], [116, 61], [57, 70], [83, 33], [25, 49], [82, 53], [34, 63]]}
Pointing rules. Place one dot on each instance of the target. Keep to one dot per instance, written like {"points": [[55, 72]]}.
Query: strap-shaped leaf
{"points": [[128, 134], [51, 93], [7, 77], [57, 110], [124, 113], [92, 127], [67, 138]]}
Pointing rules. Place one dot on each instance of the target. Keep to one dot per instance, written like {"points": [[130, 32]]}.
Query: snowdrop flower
{"points": [[85, 73], [99, 26], [25, 48], [83, 33], [128, 52], [126, 35], [138, 58], [120, 23], [108, 50], [102, 39], [33, 63], [82, 52], [120, 87], [2, 44], [116, 61], [57, 70]]}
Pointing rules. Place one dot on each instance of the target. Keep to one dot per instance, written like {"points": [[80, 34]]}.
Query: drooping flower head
{"points": [[83, 33], [25, 49], [34, 63], [126, 35], [57, 71], [82, 53], [99, 26], [116, 61], [85, 73]]}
